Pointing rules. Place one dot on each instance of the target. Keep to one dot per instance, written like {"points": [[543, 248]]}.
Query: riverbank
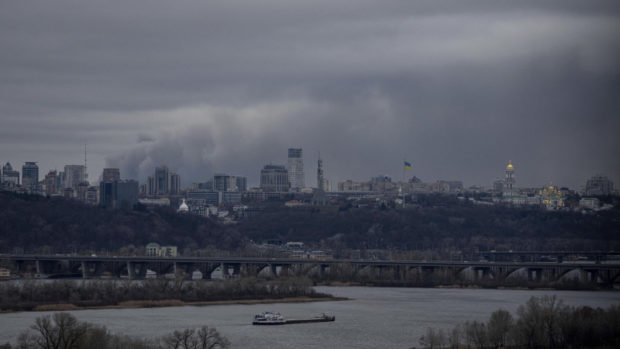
{"points": [[524, 286], [177, 303], [102, 294]]}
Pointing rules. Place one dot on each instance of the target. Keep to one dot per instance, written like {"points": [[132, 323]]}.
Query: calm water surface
{"points": [[374, 318]]}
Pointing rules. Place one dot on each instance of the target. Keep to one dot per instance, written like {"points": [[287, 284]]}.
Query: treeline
{"points": [[440, 223], [436, 223], [32, 295], [39, 224], [64, 331], [543, 322]]}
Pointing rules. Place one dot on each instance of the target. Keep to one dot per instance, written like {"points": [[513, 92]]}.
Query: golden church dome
{"points": [[510, 167]]}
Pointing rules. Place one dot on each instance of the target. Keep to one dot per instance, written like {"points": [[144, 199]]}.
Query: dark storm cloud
{"points": [[456, 87]]}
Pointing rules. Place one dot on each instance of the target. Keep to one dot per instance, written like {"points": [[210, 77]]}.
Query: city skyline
{"points": [[184, 185], [456, 89]]}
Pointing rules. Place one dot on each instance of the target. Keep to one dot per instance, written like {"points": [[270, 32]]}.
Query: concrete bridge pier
{"points": [[323, 270], [182, 270], [207, 269], [85, 271], [284, 270], [534, 274], [589, 275], [136, 270]]}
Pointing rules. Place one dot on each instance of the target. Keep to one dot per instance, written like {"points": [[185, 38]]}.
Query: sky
{"points": [[457, 88]]}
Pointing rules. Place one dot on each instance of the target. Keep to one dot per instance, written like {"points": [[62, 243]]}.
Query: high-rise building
{"points": [[118, 194], [222, 182], [226, 183], [319, 197], [50, 183], [10, 177], [150, 186], [175, 184], [92, 195], [81, 192], [74, 175], [274, 178], [295, 167], [599, 185], [30, 174], [162, 180], [242, 183], [111, 175]]}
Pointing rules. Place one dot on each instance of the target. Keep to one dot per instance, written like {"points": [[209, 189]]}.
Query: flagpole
{"points": [[402, 189]]}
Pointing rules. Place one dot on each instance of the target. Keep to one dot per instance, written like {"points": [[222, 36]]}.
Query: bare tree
{"points": [[498, 327], [59, 331], [203, 338], [433, 339], [539, 322], [476, 334], [455, 337]]}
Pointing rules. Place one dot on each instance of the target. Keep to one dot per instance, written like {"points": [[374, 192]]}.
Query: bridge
{"points": [[136, 267], [547, 256]]}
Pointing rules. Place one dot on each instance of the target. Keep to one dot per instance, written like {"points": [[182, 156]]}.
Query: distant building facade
{"points": [[274, 178], [599, 185], [74, 175], [50, 183], [30, 174], [10, 177], [227, 183], [163, 182], [121, 194], [110, 175]]}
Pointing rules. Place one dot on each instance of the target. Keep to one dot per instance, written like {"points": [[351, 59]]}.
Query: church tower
{"points": [[510, 179]]}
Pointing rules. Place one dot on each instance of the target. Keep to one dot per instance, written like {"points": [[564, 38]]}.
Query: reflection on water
{"points": [[375, 317]]}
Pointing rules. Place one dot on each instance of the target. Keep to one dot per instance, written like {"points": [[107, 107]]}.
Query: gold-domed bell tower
{"points": [[510, 179]]}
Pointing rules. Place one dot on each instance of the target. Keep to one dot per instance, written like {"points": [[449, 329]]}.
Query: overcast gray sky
{"points": [[457, 88]]}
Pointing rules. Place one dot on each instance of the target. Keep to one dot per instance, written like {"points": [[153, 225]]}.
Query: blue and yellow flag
{"points": [[407, 166]]}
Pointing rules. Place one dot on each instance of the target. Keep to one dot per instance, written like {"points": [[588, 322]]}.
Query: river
{"points": [[373, 318]]}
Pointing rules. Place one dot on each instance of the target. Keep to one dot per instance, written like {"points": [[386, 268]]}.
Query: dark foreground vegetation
{"points": [[64, 331], [38, 295], [543, 322], [442, 224]]}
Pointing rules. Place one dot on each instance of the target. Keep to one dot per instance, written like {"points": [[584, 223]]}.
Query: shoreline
{"points": [[456, 286], [174, 303]]}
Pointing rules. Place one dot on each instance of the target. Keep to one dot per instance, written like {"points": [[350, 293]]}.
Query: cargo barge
{"points": [[269, 318]]}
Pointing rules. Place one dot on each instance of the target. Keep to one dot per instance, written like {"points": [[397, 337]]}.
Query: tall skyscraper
{"points": [[162, 180], [30, 174], [74, 175], [242, 183], [50, 183], [295, 167], [274, 178], [175, 183]]}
